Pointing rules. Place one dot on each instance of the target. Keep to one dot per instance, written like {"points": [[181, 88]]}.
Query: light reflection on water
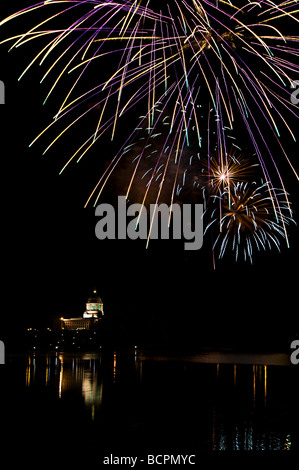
{"points": [[222, 402], [63, 373]]}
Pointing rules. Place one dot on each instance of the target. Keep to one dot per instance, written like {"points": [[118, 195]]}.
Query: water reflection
{"points": [[260, 428], [245, 438], [232, 405], [70, 374]]}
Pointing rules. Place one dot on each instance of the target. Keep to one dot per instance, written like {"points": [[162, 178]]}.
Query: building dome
{"points": [[94, 298], [94, 306]]}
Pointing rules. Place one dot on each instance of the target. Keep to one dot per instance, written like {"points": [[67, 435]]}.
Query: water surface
{"points": [[88, 405]]}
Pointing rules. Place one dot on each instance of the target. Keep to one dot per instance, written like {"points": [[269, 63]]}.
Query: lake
{"points": [[81, 407]]}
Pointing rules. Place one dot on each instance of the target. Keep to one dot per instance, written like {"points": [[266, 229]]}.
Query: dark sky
{"points": [[51, 259]]}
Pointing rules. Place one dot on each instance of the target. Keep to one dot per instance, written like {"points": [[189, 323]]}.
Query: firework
{"points": [[174, 56], [221, 174], [139, 66], [249, 216]]}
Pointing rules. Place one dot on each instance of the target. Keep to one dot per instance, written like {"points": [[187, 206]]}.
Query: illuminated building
{"points": [[93, 314]]}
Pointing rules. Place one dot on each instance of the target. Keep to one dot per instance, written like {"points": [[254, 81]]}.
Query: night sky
{"points": [[51, 259]]}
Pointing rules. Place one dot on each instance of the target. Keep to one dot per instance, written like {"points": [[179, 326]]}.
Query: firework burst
{"points": [[131, 64], [169, 57], [249, 216], [221, 174]]}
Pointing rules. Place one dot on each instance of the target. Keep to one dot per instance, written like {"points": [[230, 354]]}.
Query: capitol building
{"points": [[91, 317]]}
